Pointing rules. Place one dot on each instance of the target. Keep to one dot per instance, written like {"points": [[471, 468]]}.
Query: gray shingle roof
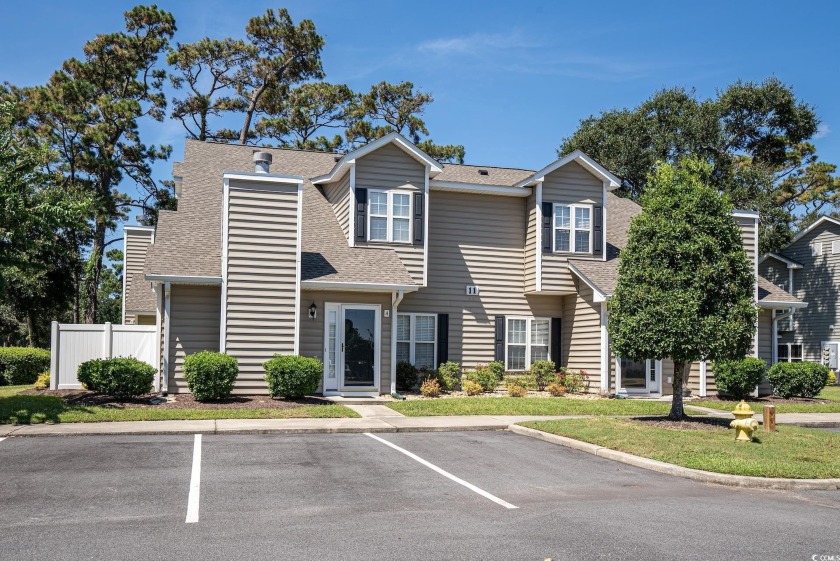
{"points": [[188, 242], [139, 295], [769, 292], [495, 176]]}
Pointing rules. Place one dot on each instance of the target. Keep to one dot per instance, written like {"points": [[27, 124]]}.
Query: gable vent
{"points": [[483, 172]]}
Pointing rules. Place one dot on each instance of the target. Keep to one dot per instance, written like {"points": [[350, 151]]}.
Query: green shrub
{"points": [[292, 376], [471, 387], [430, 387], [210, 375], [575, 382], [120, 377], [739, 378], [449, 376], [43, 381], [800, 379], [22, 365], [406, 376], [544, 372], [483, 376], [515, 388], [497, 367], [557, 390]]}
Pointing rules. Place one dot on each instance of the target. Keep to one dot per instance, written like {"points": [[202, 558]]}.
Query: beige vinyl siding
{"points": [[776, 272], [312, 330], [390, 168], [338, 194], [531, 248], [137, 244], [476, 240], [581, 341], [693, 381], [261, 277], [749, 235], [194, 316], [817, 284], [145, 319], [568, 185]]}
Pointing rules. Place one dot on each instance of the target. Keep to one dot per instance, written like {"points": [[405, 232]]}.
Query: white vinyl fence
{"points": [[73, 344]]}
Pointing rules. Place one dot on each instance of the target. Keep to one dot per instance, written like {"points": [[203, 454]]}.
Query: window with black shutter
{"points": [[361, 209]]}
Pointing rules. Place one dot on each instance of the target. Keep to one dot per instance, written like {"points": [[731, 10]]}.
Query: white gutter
{"points": [[503, 190], [396, 298], [359, 286], [184, 279]]}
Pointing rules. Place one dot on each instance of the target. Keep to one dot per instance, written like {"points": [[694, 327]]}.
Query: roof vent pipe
{"points": [[262, 162]]}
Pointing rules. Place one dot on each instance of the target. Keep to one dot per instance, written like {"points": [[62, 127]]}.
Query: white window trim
{"points": [[412, 331], [651, 387], [528, 322], [788, 359], [389, 194], [572, 228]]}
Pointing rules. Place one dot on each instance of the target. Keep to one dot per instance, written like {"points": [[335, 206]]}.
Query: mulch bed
{"points": [[693, 423], [769, 400], [176, 401]]}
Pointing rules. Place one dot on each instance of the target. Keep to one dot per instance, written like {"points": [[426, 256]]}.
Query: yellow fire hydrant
{"points": [[743, 424]]}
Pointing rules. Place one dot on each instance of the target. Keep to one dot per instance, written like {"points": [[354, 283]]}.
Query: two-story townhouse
{"points": [[809, 268], [384, 254]]}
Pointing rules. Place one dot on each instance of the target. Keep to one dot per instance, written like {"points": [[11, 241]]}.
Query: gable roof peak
{"points": [[584, 161]]}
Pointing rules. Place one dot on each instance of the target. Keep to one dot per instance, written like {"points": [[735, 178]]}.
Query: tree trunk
{"points": [[30, 328], [677, 411], [95, 272], [249, 113]]}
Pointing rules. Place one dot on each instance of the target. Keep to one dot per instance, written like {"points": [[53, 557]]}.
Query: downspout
{"points": [[605, 349], [396, 298], [167, 336], [774, 352]]}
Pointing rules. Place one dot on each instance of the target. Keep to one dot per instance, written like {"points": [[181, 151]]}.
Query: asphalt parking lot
{"points": [[469, 495]]}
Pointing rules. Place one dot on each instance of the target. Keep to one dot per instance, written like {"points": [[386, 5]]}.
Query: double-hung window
{"points": [[789, 352], [416, 337], [527, 341], [573, 228], [389, 216]]}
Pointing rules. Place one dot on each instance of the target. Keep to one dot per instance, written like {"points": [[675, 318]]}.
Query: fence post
{"points": [[54, 337], [106, 340]]}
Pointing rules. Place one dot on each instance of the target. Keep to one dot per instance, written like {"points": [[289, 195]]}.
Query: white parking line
{"points": [[195, 483], [444, 473], [2, 439]]}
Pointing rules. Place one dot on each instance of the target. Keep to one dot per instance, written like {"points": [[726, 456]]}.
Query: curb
{"points": [[743, 481]]}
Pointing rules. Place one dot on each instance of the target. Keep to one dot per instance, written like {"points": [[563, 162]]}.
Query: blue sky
{"points": [[510, 80]]}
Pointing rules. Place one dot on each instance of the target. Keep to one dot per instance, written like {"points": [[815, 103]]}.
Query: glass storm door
{"points": [[351, 346], [640, 376], [360, 346]]}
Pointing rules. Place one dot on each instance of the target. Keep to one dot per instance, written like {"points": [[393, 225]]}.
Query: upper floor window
{"points": [[816, 249], [573, 228], [389, 216]]}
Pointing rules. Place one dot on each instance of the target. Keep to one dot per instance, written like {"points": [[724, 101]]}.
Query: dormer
{"points": [[379, 194], [567, 217]]}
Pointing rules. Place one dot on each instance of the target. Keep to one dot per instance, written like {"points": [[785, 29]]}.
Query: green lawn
{"points": [[528, 406], [32, 409], [830, 393], [793, 452]]}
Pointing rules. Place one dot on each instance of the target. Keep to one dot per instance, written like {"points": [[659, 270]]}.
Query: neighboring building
{"points": [[384, 254], [808, 268]]}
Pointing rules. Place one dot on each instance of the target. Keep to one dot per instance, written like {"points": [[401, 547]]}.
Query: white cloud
{"points": [[477, 44], [823, 130]]}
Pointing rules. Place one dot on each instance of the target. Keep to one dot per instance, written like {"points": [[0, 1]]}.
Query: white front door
{"points": [[640, 377], [351, 348]]}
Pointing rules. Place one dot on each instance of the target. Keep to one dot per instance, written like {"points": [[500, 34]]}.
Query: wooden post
{"points": [[769, 418]]}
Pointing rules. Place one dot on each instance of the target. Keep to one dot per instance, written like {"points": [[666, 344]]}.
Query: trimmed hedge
{"points": [[739, 378], [406, 376], [22, 365], [483, 376], [292, 376], [797, 379], [545, 373], [449, 376], [210, 375], [120, 377]]}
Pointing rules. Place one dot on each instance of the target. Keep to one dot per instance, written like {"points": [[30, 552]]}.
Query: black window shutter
{"points": [[597, 231], [547, 212], [499, 350], [361, 213], [555, 341], [418, 218], [442, 338]]}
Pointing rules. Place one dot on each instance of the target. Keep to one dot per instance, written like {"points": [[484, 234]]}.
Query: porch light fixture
{"points": [[313, 311]]}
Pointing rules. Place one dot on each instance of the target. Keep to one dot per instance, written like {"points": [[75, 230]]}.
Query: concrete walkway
{"points": [[372, 423]]}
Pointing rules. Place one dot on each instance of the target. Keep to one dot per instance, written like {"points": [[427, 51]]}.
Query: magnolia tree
{"points": [[685, 286]]}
